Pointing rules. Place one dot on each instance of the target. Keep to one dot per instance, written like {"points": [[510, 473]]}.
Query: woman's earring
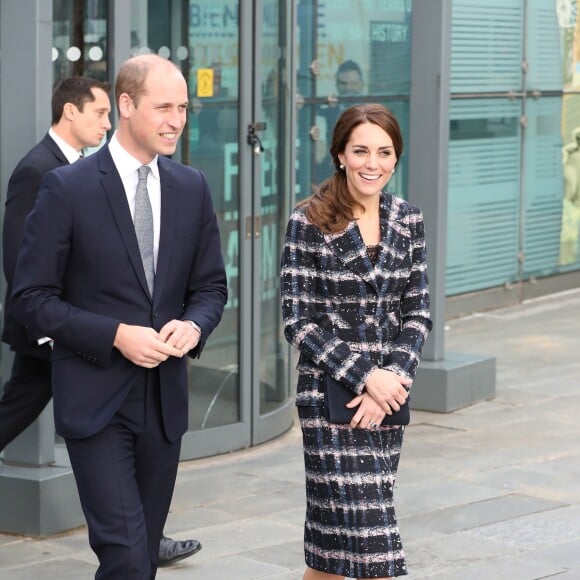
{"points": [[394, 170], [341, 166]]}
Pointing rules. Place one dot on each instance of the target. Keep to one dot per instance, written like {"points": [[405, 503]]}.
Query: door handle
{"points": [[253, 139]]}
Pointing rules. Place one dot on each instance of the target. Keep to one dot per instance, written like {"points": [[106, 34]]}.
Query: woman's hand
{"points": [[369, 414], [387, 389]]}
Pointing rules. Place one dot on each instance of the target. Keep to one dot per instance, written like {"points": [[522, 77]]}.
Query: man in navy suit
{"points": [[80, 119], [121, 333]]}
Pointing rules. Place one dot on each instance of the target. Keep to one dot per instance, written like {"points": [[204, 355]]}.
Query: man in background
{"points": [[80, 119], [349, 84]]}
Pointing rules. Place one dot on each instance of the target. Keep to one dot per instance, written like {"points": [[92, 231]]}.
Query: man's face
{"points": [[90, 125], [155, 123], [349, 84]]}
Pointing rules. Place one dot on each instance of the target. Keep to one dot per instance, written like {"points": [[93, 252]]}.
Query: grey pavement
{"points": [[489, 491]]}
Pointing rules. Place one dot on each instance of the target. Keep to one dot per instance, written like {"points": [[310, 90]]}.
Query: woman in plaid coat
{"points": [[355, 303]]}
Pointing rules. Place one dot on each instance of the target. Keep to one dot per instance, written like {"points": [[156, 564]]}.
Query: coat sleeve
{"points": [[22, 191], [416, 323], [300, 301]]}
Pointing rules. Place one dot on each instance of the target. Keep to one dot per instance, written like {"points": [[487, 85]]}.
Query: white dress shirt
{"points": [[68, 151], [127, 167]]}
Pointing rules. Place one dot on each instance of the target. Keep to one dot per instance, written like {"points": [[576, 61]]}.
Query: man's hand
{"points": [[180, 334], [387, 389], [143, 346]]}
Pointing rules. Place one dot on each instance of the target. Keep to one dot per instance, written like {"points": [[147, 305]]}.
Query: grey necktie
{"points": [[144, 225]]}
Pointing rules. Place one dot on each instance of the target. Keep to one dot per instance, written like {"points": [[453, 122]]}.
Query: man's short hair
{"points": [[76, 90]]}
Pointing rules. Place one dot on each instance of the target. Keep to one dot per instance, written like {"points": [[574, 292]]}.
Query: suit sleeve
{"points": [[207, 287], [416, 323], [299, 275], [22, 191], [37, 296]]}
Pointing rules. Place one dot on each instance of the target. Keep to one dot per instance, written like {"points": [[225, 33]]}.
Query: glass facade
{"points": [[513, 206]]}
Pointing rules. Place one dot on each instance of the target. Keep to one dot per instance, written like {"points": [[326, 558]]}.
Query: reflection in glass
{"points": [[345, 57], [79, 39], [211, 142], [273, 211], [483, 194]]}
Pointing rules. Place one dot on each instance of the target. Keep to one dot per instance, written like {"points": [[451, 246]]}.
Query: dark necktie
{"points": [[144, 225]]}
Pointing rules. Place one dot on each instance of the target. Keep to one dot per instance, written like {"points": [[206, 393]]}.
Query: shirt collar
{"points": [[68, 151], [125, 163]]}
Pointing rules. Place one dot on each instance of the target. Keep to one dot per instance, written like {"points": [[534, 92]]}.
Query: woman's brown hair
{"points": [[330, 207]]}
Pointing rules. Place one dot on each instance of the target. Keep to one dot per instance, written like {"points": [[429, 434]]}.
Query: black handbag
{"points": [[337, 395]]}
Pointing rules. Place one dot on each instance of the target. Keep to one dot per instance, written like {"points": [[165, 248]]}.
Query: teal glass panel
{"points": [[484, 190], [79, 37], [486, 45], [542, 194], [543, 53], [274, 205]]}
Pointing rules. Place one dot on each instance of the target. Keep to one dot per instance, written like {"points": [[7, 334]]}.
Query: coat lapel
{"points": [[115, 192], [350, 249], [348, 246], [394, 241]]}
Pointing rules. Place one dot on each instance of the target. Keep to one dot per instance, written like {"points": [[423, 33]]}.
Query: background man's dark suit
{"points": [[79, 275], [29, 389]]}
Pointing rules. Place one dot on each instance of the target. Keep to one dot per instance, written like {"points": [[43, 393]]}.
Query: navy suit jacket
{"points": [[79, 274], [23, 188]]}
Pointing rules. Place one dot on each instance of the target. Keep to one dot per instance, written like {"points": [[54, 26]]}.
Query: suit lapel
{"points": [[115, 192], [348, 246], [166, 233], [51, 145]]}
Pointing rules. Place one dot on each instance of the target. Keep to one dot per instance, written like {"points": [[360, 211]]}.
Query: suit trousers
{"points": [[26, 394], [125, 476]]}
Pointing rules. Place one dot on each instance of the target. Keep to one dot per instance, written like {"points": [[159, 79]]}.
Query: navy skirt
{"points": [[351, 529]]}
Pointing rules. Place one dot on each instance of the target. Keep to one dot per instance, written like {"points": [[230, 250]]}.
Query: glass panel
{"points": [[212, 140], [79, 38], [543, 179], [484, 194], [486, 45], [345, 57], [543, 51], [274, 202]]}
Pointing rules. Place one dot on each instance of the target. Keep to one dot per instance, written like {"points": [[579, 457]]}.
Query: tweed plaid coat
{"points": [[346, 316]]}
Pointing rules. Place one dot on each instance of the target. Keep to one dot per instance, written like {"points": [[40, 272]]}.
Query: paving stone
{"points": [[487, 492]]}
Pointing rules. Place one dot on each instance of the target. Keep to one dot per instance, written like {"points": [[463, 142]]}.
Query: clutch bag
{"points": [[337, 395]]}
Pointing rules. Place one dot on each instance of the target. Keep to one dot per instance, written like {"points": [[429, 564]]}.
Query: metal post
{"points": [[445, 381], [36, 497]]}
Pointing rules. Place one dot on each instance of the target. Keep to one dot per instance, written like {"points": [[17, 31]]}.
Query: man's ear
{"points": [[125, 105], [69, 111]]}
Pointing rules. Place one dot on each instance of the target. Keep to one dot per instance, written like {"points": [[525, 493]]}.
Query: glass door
{"points": [[237, 135], [268, 150]]}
